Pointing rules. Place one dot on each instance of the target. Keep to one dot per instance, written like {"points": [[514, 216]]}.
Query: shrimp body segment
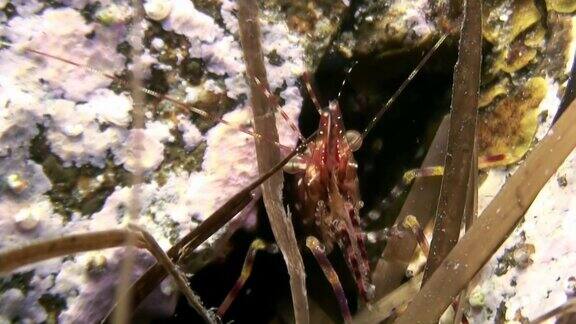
{"points": [[329, 196]]}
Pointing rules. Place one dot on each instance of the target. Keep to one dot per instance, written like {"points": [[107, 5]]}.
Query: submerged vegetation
{"points": [[72, 148]]}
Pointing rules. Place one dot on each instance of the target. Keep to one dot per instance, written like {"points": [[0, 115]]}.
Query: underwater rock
{"points": [[66, 133], [317, 22], [509, 127], [531, 272], [66, 143], [389, 26], [562, 6], [540, 254], [522, 72]]}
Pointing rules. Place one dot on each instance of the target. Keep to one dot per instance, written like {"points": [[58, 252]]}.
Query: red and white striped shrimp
{"points": [[328, 195]]}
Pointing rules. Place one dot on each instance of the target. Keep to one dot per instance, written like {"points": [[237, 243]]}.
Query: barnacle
{"points": [[157, 9], [16, 182]]}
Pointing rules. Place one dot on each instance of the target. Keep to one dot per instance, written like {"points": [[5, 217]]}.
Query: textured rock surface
{"points": [[67, 147], [66, 140], [532, 272]]}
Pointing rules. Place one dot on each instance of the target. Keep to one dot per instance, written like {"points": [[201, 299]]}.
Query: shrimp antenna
{"points": [[274, 103], [153, 93], [311, 92], [346, 77], [403, 86]]}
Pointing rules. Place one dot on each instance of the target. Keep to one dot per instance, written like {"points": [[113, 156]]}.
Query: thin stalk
{"points": [[495, 224], [390, 304], [265, 124], [420, 202], [172, 269], [127, 265], [186, 245], [403, 86], [51, 248], [76, 243], [461, 138]]}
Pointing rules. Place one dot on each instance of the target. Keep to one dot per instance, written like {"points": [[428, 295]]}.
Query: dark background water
{"points": [[397, 144]]}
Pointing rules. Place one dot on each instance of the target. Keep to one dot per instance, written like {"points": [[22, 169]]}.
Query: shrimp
{"points": [[328, 195]]}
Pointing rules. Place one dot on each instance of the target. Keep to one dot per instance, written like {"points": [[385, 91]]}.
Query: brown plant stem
{"points": [[564, 309], [268, 156], [461, 138], [182, 249], [43, 250], [471, 213], [122, 315], [420, 202], [391, 303], [495, 224]]}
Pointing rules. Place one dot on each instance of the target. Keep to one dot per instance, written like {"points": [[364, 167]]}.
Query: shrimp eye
{"points": [[296, 165], [354, 139]]}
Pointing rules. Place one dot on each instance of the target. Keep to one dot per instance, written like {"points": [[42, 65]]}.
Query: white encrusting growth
{"points": [[140, 150], [85, 124], [49, 33], [75, 130], [190, 133], [110, 108], [547, 282], [527, 288]]}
